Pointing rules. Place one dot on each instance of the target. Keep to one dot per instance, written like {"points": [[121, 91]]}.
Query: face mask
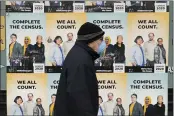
{"points": [[101, 48]]}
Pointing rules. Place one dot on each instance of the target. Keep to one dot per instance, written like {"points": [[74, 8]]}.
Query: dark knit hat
{"points": [[89, 32]]}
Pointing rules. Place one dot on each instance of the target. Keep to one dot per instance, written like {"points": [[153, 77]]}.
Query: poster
{"points": [[152, 85], [115, 33], [2, 31], [61, 28], [25, 43], [29, 87], [148, 37], [52, 86], [113, 85]]}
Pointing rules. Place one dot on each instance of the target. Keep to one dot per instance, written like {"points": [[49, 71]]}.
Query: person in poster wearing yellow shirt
{"points": [[15, 51], [51, 107], [135, 108]]}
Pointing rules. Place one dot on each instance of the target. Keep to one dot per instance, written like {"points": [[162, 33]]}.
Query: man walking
{"points": [[77, 93]]}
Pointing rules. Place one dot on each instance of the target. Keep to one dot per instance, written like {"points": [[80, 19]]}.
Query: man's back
{"points": [[78, 84]]}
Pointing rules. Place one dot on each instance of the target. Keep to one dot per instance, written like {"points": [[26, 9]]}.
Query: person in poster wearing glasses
{"points": [[38, 109], [159, 106], [137, 53], [119, 110], [160, 52]]}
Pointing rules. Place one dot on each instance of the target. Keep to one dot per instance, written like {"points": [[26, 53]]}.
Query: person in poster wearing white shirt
{"points": [[68, 44], [149, 48], [29, 105], [108, 106]]}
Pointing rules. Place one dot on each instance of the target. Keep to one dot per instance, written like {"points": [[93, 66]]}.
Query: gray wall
{"points": [[3, 57], [171, 47]]}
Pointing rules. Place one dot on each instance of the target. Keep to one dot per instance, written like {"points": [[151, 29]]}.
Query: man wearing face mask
{"points": [[77, 93]]}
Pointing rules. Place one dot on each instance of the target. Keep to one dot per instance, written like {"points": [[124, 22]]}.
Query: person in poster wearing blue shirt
{"points": [[137, 53], [100, 110], [57, 55]]}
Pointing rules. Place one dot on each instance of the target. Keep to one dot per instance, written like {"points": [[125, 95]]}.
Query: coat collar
{"points": [[93, 54]]}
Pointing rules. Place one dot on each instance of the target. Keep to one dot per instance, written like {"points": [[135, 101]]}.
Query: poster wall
{"points": [[153, 28], [25, 29], [27, 86], [64, 26], [112, 86], [152, 85], [2, 31]]}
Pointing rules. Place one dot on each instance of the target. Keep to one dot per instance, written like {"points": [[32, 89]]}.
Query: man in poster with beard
{"points": [[68, 44], [77, 93], [149, 48], [108, 106], [29, 105]]}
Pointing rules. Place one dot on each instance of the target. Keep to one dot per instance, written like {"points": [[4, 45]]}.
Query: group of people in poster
{"points": [[27, 54], [31, 107], [112, 108], [108, 108], [152, 52]]}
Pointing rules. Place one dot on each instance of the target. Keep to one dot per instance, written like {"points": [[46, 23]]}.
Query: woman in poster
{"points": [[17, 108], [119, 50], [39, 50], [137, 53], [100, 110], [57, 54], [160, 52], [107, 60], [160, 107], [38, 109], [27, 52], [119, 110], [148, 107]]}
